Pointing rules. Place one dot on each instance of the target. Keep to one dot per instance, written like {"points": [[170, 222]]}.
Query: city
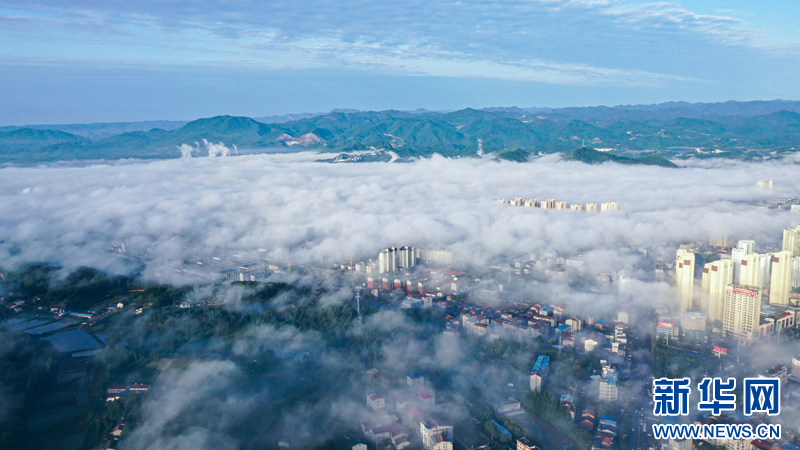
{"points": [[581, 377], [400, 225]]}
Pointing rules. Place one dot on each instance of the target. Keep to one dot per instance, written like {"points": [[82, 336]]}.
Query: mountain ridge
{"points": [[454, 134]]}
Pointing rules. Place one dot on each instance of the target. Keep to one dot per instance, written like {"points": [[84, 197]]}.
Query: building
{"points": [[716, 275], [538, 372], [609, 206], [504, 433], [435, 257], [747, 245], [766, 183], [795, 282], [510, 407], [751, 272], [735, 444], [693, 321], [524, 444], [415, 380], [591, 207], [684, 277], [608, 389], [375, 401], [392, 259], [408, 257], [791, 240], [741, 312], [435, 436], [775, 319], [796, 367], [387, 260], [608, 383], [575, 325], [679, 444], [781, 278], [743, 248], [546, 204], [780, 372]]}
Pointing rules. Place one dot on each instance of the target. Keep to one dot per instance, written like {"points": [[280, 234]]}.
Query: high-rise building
{"points": [[392, 259], [431, 256], [748, 245], [781, 279], [791, 240], [716, 275], [387, 260], [750, 273], [684, 277], [591, 207], [741, 311], [608, 388], [550, 203], [609, 206], [795, 272], [608, 382], [743, 248], [408, 258]]}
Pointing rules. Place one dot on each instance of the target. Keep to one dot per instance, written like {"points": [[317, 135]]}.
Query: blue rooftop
{"points": [[503, 431]]}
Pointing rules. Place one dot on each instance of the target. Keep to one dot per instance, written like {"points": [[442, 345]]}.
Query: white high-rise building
{"points": [[408, 258], [741, 311], [609, 206], [795, 272], [684, 277], [791, 240], [781, 282], [431, 256], [748, 245], [716, 276], [608, 389], [750, 273], [743, 248], [387, 260], [766, 270], [392, 259]]}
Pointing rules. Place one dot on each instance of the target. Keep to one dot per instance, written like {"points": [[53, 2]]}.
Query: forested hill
{"points": [[592, 156], [748, 130]]}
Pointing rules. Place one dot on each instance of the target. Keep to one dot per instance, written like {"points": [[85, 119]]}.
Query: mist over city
{"points": [[293, 209], [549, 224]]}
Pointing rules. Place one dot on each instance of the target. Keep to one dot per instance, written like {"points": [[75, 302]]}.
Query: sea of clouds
{"points": [[298, 210]]}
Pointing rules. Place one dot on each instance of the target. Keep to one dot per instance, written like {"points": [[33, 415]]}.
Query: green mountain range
{"points": [[751, 130]]}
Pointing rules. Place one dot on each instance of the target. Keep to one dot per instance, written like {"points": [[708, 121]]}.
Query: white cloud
{"points": [[175, 212], [542, 41]]}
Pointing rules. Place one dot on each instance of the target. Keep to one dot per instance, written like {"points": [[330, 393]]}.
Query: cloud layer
{"points": [[552, 41], [293, 209]]}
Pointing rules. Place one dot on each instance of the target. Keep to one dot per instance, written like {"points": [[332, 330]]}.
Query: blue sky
{"points": [[86, 60]]}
